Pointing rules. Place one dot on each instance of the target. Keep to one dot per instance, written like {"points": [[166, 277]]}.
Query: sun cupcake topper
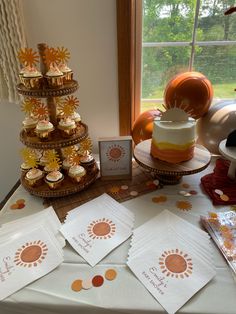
{"points": [[63, 54], [30, 157], [68, 151], [28, 57], [29, 104], [86, 146], [41, 111], [52, 159], [51, 56], [74, 159], [68, 105]]}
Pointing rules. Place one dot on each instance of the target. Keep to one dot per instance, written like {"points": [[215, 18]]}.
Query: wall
{"points": [[88, 29]]}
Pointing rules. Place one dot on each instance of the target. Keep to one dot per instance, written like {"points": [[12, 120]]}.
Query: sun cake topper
{"points": [[74, 159], [51, 57], [52, 159], [28, 57], [174, 114], [86, 146], [68, 151]]}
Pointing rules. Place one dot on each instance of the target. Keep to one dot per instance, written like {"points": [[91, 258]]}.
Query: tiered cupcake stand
{"points": [[56, 142]]}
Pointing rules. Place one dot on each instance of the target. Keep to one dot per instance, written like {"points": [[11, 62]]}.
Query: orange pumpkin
{"points": [[143, 125], [190, 90]]}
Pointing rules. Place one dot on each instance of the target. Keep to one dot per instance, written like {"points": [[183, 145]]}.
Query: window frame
{"points": [[129, 48]]}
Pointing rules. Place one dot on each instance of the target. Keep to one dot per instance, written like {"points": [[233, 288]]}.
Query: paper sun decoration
{"points": [[30, 157], [29, 104], [41, 111], [68, 106], [86, 146], [70, 150], [28, 57], [51, 57], [52, 159], [63, 54], [74, 159]]}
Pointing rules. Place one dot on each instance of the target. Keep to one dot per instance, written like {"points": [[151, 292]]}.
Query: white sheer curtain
{"points": [[12, 38]]}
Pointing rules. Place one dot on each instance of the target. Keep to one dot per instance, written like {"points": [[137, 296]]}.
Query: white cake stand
{"points": [[230, 154]]}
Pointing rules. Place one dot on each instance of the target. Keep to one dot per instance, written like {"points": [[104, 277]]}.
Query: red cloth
{"points": [[219, 180]]}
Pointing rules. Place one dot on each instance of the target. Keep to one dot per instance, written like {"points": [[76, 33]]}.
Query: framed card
{"points": [[115, 155]]}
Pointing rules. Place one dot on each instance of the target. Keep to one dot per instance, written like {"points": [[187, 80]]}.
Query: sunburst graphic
{"points": [[175, 263], [115, 152], [29, 104], [51, 56], [63, 54], [28, 57], [31, 254], [101, 229], [74, 159], [184, 205], [41, 111]]}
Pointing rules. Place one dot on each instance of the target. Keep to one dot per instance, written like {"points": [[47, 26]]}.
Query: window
{"points": [[187, 35]]}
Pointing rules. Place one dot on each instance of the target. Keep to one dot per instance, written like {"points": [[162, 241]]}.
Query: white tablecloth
{"points": [[52, 293]]}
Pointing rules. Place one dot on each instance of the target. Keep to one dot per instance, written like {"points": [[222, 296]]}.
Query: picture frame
{"points": [[115, 154]]}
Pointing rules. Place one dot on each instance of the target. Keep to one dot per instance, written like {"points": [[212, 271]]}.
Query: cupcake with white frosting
{"points": [[29, 125], [54, 76], [76, 173], [68, 73], [67, 127], [32, 78], [34, 177], [66, 164], [77, 118], [54, 179], [44, 129]]}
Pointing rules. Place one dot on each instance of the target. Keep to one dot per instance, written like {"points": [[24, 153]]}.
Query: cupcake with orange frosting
{"points": [[54, 77], [54, 179], [34, 177], [44, 129]]}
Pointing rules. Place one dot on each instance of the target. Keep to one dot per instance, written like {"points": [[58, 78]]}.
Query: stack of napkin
{"points": [[172, 259], [30, 247], [95, 228]]}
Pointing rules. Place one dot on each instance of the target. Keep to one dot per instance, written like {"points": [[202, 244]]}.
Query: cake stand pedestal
{"points": [[230, 154], [168, 173]]}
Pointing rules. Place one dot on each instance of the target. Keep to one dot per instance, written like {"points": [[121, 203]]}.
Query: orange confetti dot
{"points": [[21, 205], [97, 281], [159, 199], [20, 201], [224, 197], [76, 285], [185, 185], [14, 206], [110, 274]]}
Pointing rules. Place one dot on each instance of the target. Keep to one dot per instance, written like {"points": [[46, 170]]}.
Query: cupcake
{"points": [[54, 77], [44, 129], [76, 173], [32, 78], [76, 117], [54, 179], [24, 168], [34, 177], [48, 169], [68, 73], [67, 127], [29, 125], [22, 72], [87, 160], [66, 165]]}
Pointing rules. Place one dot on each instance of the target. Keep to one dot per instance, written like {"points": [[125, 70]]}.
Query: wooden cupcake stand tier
{"points": [[171, 173], [56, 141]]}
